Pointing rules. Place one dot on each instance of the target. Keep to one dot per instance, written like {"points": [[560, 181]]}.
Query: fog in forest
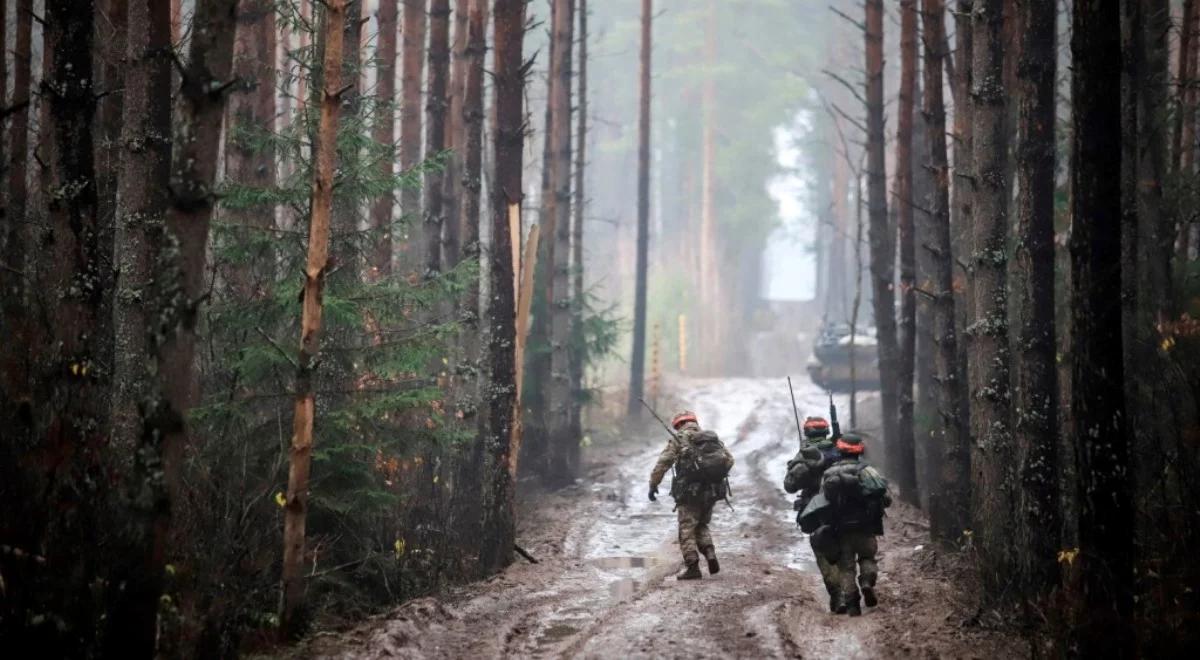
{"points": [[599, 328]]}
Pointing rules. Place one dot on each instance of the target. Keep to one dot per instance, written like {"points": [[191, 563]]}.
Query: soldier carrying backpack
{"points": [[702, 465], [804, 472], [847, 517]]}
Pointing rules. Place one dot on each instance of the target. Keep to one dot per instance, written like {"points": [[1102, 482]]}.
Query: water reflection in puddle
{"points": [[612, 563]]}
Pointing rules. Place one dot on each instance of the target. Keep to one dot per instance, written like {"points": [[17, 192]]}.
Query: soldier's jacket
{"points": [[805, 470], [667, 458]]}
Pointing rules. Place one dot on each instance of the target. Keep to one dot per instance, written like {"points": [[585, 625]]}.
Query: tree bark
{"points": [[71, 416], [379, 258], [988, 363], [638, 359], [455, 136], [142, 203], [562, 466], [1031, 281], [962, 182], [15, 237], [948, 510], [575, 425], [1097, 375], [249, 160], [903, 457], [435, 132], [411, 122], [503, 412], [882, 239], [296, 508]]}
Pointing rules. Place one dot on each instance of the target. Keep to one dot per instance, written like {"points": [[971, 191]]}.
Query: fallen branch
{"points": [[521, 551]]}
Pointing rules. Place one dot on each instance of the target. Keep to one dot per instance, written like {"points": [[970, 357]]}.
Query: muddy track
{"points": [[604, 586]]}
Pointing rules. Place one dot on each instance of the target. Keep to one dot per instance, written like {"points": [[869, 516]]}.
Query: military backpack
{"points": [[704, 459]]}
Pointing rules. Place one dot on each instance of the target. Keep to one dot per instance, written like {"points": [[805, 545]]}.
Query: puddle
{"points": [[611, 563], [623, 589]]}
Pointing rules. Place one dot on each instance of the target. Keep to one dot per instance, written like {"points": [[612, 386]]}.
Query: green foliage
{"points": [[383, 428]]}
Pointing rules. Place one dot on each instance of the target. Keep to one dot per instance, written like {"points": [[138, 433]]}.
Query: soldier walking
{"points": [[702, 465], [856, 495], [817, 452]]}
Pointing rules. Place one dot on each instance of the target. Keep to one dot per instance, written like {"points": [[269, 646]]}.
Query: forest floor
{"points": [[603, 586]]}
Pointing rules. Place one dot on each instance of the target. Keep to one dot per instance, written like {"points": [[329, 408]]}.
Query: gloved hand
{"points": [[654, 493]]}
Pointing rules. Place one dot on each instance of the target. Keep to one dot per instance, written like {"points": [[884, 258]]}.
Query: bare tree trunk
{"points": [[72, 413], [882, 239], [379, 258], [344, 228], [903, 467], [638, 359], [503, 412], [1031, 276], [435, 131], [562, 468], [456, 136], [1185, 148], [709, 285], [962, 182], [988, 365], [411, 118], [249, 160], [15, 237], [575, 426], [948, 510], [142, 202], [325, 152], [1102, 454]]}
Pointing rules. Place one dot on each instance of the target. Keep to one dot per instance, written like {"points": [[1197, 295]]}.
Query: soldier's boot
{"points": [[853, 609], [833, 604], [714, 567], [690, 572], [849, 606], [867, 584]]}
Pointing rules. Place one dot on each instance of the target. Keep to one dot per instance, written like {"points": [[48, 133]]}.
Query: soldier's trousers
{"points": [[694, 537], [829, 571], [860, 548]]}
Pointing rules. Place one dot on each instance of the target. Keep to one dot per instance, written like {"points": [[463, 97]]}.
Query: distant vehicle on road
{"points": [[833, 352]]}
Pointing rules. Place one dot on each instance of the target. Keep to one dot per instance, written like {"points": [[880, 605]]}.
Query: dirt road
{"points": [[603, 587]]}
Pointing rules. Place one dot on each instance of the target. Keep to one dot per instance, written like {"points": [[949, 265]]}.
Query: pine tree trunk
{"points": [[562, 467], [142, 203], [296, 508], [575, 426], [948, 510], [411, 122], [503, 412], [902, 454], [379, 258], [435, 132], [638, 359], [1031, 280], [249, 160], [1185, 149], [455, 137], [882, 239], [962, 182], [992, 455], [1097, 376], [15, 236], [193, 175], [72, 413]]}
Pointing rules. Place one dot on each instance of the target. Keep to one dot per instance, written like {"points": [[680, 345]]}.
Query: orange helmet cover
{"points": [[682, 418]]}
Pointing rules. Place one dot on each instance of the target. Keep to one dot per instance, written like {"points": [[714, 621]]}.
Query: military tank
{"points": [[835, 349]]}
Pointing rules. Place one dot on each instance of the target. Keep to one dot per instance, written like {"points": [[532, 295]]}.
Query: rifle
{"points": [[837, 429], [795, 411], [660, 419]]}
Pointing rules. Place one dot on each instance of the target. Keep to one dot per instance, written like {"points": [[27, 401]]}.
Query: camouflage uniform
{"points": [[857, 523], [693, 502], [804, 475]]}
